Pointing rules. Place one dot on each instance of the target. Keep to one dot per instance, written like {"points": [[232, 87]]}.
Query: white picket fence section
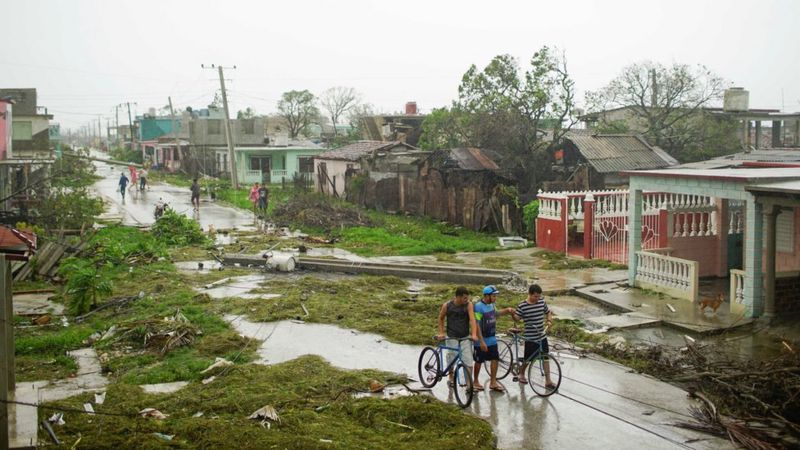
{"points": [[673, 276]]}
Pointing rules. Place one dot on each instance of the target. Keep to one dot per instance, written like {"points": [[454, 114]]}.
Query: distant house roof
{"points": [[616, 152], [360, 149], [595, 115], [775, 157]]}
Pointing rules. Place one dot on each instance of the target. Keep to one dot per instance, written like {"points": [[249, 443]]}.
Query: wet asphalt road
{"points": [[599, 405], [136, 209]]}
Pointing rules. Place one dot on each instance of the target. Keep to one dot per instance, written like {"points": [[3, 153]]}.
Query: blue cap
{"points": [[489, 290]]}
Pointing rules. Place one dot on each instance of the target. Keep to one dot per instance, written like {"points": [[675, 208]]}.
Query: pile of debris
{"points": [[316, 211], [755, 402], [45, 262]]}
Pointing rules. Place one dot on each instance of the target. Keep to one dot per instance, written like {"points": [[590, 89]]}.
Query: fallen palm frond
{"points": [[753, 402], [162, 335]]}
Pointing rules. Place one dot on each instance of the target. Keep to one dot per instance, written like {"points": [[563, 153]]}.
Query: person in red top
{"points": [[254, 196], [132, 170]]}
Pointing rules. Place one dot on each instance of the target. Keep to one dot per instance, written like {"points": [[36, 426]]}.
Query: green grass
{"points": [[312, 398], [404, 235], [44, 367], [366, 303], [496, 262], [560, 261]]}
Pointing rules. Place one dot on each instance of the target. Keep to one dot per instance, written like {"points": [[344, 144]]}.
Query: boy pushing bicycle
{"points": [[461, 324], [538, 318]]}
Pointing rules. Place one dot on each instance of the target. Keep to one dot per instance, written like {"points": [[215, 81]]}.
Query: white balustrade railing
{"points": [[250, 175], [737, 291], [673, 276], [691, 224], [550, 208]]}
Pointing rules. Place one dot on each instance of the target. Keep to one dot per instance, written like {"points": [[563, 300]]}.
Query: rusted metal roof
{"points": [[614, 153], [360, 149], [471, 158]]}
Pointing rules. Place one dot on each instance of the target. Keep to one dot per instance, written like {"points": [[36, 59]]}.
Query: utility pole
{"points": [[130, 122], [6, 348], [229, 135], [174, 129], [116, 123]]}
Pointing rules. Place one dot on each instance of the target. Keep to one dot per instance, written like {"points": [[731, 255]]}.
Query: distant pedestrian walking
{"points": [[195, 195], [142, 179], [263, 200], [254, 196], [123, 183]]}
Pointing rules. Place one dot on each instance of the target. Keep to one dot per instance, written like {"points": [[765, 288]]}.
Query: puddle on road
{"points": [[33, 304], [237, 287], [574, 307], [744, 342], [348, 349], [336, 253]]}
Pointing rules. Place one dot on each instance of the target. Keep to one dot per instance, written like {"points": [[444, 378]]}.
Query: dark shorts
{"points": [[531, 347], [195, 196], [490, 354]]}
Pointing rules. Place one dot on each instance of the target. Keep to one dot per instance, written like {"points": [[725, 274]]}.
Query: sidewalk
{"points": [[639, 310]]}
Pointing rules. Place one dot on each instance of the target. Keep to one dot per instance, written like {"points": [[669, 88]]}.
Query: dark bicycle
{"points": [[540, 365], [431, 363]]}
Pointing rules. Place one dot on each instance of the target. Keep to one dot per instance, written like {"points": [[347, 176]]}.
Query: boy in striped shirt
{"points": [[538, 318]]}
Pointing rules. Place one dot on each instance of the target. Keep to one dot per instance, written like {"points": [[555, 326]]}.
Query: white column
{"points": [[634, 230], [753, 258]]}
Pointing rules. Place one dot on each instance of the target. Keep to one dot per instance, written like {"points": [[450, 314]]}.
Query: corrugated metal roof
{"points": [[471, 158], [357, 150], [614, 153]]}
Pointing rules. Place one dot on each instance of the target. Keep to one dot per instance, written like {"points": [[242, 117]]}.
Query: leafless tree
{"points": [[337, 101], [666, 102]]}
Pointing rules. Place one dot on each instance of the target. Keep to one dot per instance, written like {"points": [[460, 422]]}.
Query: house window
{"points": [[176, 154], [214, 126], [192, 126], [784, 233], [22, 130], [248, 126], [305, 164]]}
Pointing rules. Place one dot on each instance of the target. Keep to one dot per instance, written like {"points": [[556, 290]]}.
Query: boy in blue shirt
{"points": [[486, 346]]}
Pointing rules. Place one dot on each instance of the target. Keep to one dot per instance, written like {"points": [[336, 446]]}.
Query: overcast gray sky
{"points": [[84, 57]]}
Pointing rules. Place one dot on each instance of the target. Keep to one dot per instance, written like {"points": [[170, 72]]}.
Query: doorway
{"points": [[264, 164]]}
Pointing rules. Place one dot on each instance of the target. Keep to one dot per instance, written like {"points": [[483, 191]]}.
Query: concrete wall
{"points": [[201, 135], [5, 128], [38, 143], [550, 234], [335, 168], [703, 249], [287, 159]]}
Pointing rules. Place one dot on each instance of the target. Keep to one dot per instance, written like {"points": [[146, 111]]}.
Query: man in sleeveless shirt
{"points": [[461, 324]]}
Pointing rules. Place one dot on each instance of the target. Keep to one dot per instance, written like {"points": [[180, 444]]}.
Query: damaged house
{"points": [[462, 186], [587, 161]]}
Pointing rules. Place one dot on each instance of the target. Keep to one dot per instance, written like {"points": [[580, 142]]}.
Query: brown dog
{"points": [[712, 302]]}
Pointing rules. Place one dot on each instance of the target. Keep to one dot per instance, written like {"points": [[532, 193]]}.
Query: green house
{"points": [[275, 163]]}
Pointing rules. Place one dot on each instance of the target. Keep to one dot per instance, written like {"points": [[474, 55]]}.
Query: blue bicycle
{"points": [[544, 371], [432, 369]]}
